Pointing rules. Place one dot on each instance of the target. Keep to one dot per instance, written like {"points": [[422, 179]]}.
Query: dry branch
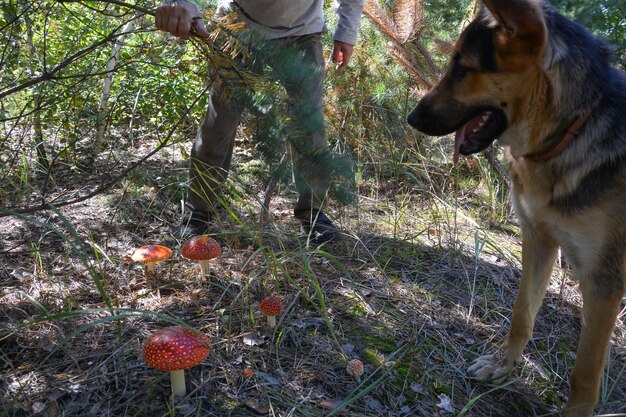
{"points": [[403, 30], [408, 16]]}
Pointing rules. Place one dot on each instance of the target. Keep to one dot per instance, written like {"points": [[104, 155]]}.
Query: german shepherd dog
{"points": [[541, 84]]}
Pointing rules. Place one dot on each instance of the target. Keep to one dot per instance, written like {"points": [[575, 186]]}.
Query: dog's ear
{"points": [[520, 31]]}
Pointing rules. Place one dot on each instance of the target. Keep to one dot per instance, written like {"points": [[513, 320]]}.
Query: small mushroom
{"points": [[175, 349], [150, 255], [271, 306], [355, 368], [201, 248]]}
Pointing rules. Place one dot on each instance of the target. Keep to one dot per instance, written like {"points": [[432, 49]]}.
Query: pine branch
{"points": [[381, 20], [408, 16], [401, 50]]}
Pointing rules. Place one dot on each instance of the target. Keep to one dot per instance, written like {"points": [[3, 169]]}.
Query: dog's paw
{"points": [[490, 368]]}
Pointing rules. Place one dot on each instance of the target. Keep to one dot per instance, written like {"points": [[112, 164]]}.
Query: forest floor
{"points": [[417, 289]]}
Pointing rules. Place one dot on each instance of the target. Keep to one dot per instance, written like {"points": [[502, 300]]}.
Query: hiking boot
{"points": [[318, 227], [194, 224]]}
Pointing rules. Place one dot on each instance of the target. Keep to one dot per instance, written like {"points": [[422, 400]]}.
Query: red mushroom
{"points": [[355, 368], [175, 349], [271, 306], [150, 255], [201, 248]]}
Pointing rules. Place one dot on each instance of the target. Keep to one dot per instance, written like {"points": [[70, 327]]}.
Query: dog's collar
{"points": [[558, 147]]}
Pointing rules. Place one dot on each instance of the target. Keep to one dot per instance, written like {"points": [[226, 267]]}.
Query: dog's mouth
{"points": [[479, 132]]}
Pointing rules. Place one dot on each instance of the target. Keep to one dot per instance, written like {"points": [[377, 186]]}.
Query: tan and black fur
{"points": [[542, 85]]}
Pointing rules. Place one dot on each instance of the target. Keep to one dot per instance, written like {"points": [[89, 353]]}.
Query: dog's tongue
{"points": [[463, 134]]}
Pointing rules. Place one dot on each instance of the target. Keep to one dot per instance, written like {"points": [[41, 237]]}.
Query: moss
{"points": [[383, 343], [225, 403], [357, 309], [405, 373], [441, 388], [372, 356]]}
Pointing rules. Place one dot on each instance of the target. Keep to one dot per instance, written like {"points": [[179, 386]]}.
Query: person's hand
{"points": [[178, 18], [342, 52]]}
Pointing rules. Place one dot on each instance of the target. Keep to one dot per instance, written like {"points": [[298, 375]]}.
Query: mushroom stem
{"points": [[177, 379], [271, 321], [204, 266], [150, 267]]}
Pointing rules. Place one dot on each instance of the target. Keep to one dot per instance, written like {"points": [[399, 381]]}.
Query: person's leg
{"points": [[309, 142], [211, 155]]}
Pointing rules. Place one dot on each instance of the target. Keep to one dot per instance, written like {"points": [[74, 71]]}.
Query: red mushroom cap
{"points": [[151, 253], [271, 305], [199, 248], [175, 348]]}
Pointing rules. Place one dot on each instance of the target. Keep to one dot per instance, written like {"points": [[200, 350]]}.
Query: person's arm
{"points": [[349, 16], [179, 17]]}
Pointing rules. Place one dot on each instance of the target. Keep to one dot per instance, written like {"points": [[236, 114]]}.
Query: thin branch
{"points": [[49, 75], [16, 18], [4, 212], [118, 3]]}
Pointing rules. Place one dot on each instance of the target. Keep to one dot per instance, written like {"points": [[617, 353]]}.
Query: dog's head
{"points": [[494, 74]]}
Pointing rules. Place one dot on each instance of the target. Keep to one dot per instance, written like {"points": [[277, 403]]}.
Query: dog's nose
{"points": [[415, 118], [436, 119]]}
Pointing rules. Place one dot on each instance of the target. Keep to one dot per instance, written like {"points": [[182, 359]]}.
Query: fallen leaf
{"points": [[445, 403], [258, 406], [268, 378], [252, 339], [418, 388], [52, 409], [347, 349], [38, 407], [329, 404], [373, 403]]}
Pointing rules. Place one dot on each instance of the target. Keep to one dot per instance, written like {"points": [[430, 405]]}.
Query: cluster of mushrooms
{"points": [[200, 248], [177, 348]]}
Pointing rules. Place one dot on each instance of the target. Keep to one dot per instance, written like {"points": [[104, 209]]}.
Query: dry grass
{"points": [[417, 290]]}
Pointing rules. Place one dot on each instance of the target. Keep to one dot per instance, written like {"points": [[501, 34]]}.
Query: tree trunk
{"points": [[106, 89], [42, 158]]}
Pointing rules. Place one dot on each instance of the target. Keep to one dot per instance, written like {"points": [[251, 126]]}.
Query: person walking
{"points": [[295, 24]]}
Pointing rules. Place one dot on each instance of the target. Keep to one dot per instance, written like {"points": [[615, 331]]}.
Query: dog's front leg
{"points": [[601, 305], [538, 254]]}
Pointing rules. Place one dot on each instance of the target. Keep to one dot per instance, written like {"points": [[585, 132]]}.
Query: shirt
{"points": [[282, 18]]}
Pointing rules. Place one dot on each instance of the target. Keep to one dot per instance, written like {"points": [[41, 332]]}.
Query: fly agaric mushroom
{"points": [[271, 306], [150, 255], [175, 349], [355, 368], [201, 248]]}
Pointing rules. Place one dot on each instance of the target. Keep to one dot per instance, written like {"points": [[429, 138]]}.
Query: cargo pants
{"points": [[212, 150]]}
